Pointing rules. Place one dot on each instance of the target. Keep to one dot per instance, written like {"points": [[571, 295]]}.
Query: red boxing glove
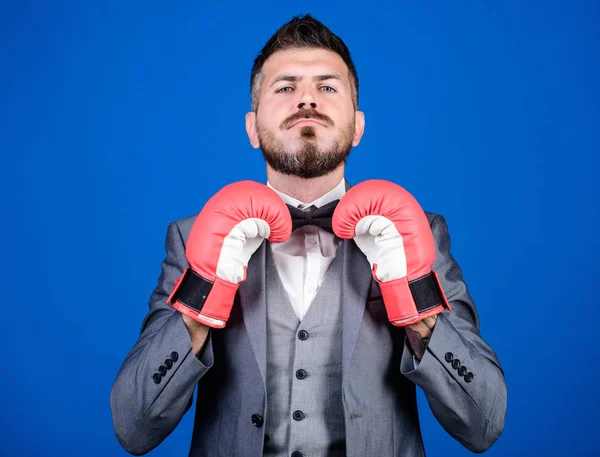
{"points": [[228, 230], [391, 229]]}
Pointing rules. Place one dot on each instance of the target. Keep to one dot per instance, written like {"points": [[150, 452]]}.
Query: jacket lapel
{"points": [[357, 282], [253, 301], [356, 285]]}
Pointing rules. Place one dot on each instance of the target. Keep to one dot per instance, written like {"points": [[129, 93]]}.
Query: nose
{"points": [[302, 105], [306, 98]]}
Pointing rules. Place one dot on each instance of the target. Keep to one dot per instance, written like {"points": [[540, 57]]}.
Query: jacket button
{"points": [[469, 377], [298, 415], [156, 378], [169, 364], [257, 420], [174, 356], [462, 370], [455, 364], [162, 370], [297, 454], [303, 335], [301, 374], [449, 356]]}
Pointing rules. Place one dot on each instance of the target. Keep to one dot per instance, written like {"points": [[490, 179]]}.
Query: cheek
{"points": [[342, 121], [271, 115], [340, 113]]}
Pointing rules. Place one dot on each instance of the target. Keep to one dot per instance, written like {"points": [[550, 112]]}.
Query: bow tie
{"points": [[321, 217]]}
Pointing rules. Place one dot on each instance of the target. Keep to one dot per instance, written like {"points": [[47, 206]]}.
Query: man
{"points": [[308, 343]]}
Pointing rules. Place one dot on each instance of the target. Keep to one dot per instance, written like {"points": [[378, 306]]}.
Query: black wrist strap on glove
{"points": [[426, 292], [192, 290]]}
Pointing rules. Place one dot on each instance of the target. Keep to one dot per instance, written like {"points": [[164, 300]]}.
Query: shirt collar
{"points": [[334, 194]]}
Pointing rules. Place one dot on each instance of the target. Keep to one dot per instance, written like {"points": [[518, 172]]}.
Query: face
{"points": [[305, 123]]}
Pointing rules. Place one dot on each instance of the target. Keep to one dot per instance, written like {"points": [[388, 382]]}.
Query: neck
{"points": [[305, 190]]}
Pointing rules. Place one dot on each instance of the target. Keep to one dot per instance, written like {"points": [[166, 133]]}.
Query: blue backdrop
{"points": [[119, 118]]}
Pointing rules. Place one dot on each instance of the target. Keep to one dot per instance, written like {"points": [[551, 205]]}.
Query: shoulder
{"points": [[183, 226], [432, 216], [439, 228]]}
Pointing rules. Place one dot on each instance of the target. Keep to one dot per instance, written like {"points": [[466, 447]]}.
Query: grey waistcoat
{"points": [[304, 369]]}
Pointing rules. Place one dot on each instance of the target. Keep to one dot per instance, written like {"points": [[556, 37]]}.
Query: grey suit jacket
{"points": [[379, 376]]}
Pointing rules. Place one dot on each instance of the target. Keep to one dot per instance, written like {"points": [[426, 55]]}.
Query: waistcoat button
{"points": [[257, 420], [298, 415], [297, 454], [303, 335], [301, 374]]}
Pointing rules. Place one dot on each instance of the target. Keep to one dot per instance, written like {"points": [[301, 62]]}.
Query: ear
{"points": [[251, 129], [359, 127]]}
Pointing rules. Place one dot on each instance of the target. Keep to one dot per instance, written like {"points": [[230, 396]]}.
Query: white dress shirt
{"points": [[304, 258]]}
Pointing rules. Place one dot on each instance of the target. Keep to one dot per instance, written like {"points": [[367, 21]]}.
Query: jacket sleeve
{"points": [[469, 402], [147, 405]]}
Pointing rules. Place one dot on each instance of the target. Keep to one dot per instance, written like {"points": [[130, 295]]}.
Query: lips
{"points": [[305, 122]]}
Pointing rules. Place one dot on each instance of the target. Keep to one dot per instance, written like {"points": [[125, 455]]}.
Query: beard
{"points": [[309, 160]]}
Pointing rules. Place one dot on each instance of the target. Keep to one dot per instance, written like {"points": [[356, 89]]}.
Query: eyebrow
{"points": [[292, 78]]}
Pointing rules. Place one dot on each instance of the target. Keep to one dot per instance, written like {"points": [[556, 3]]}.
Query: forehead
{"points": [[305, 61]]}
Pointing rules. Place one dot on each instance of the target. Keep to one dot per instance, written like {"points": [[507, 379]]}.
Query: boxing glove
{"points": [[391, 229], [229, 229]]}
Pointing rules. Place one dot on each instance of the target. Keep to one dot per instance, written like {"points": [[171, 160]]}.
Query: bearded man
{"points": [[306, 312]]}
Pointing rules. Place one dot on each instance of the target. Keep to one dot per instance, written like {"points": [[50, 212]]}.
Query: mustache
{"points": [[307, 114]]}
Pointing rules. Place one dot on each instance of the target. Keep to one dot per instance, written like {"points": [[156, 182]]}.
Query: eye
{"points": [[327, 89], [284, 89]]}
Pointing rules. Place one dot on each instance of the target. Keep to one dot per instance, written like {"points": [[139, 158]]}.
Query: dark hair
{"points": [[301, 32]]}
